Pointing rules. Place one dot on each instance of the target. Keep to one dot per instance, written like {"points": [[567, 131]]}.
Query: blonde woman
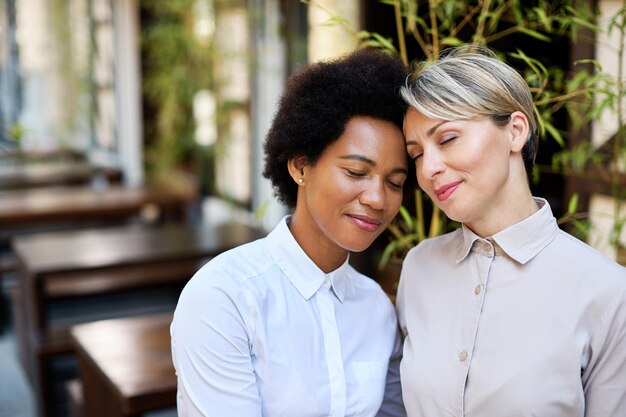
{"points": [[508, 315]]}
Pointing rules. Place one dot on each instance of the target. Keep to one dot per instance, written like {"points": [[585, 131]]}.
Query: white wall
{"points": [[45, 107], [48, 80], [128, 90], [269, 69]]}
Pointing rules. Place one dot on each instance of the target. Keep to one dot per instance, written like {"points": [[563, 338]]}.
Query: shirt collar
{"points": [[301, 271], [521, 241]]}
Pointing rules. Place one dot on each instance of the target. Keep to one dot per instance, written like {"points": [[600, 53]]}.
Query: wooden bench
{"points": [[125, 365], [62, 266]]}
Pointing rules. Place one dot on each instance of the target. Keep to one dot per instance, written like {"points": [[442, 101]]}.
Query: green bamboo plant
{"points": [[176, 64], [584, 94]]}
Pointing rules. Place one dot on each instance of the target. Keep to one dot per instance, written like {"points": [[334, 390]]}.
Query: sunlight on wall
{"points": [[602, 208], [606, 55], [330, 41], [233, 77]]}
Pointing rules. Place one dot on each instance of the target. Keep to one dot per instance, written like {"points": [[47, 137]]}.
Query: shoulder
{"points": [[445, 246], [221, 289], [241, 263], [582, 259], [432, 264], [581, 272], [230, 272]]}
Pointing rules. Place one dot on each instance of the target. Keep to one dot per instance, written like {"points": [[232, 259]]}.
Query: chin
{"points": [[357, 247], [454, 211], [452, 215]]}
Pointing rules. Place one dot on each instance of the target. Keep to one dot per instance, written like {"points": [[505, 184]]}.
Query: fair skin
{"points": [[472, 169], [351, 194]]}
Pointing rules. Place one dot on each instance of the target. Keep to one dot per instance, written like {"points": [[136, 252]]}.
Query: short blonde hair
{"points": [[470, 82]]}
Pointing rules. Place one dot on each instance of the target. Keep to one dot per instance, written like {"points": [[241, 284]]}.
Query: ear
{"points": [[519, 130], [296, 168]]}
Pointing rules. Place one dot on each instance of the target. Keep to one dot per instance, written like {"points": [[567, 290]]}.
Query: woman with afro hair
{"points": [[284, 326]]}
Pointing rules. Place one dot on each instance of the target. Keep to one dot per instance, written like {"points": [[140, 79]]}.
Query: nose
{"points": [[374, 195], [431, 164]]}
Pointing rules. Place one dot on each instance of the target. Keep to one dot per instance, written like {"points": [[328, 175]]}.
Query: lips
{"points": [[365, 223], [446, 190]]}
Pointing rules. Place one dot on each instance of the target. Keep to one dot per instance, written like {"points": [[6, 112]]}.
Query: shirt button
{"points": [[477, 290], [463, 356]]}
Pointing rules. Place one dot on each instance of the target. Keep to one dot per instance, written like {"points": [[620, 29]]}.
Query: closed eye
{"points": [[396, 185], [448, 139], [415, 156], [355, 174]]}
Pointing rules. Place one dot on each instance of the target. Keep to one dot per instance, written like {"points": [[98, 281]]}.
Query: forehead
{"points": [[372, 138], [416, 123], [368, 135]]}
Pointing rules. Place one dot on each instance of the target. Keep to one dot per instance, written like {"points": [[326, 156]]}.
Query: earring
{"points": [[300, 180]]}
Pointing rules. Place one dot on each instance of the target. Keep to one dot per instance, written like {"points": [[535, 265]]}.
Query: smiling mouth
{"points": [[445, 191], [365, 223]]}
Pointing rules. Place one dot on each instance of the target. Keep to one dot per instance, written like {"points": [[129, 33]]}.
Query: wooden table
{"points": [[15, 175], [60, 265], [125, 365], [14, 155], [56, 208], [24, 208]]}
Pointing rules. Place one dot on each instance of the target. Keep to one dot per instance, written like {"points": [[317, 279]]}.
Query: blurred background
{"points": [[131, 135]]}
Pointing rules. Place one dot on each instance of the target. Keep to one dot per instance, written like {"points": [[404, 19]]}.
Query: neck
{"points": [[514, 204], [326, 258]]}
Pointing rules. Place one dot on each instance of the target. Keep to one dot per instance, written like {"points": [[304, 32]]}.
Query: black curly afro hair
{"points": [[318, 103]]}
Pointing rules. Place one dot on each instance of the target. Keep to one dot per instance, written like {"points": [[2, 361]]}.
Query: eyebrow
{"points": [[435, 127], [371, 162], [359, 158], [429, 132]]}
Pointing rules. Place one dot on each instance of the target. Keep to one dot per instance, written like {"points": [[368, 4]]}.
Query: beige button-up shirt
{"points": [[530, 322]]}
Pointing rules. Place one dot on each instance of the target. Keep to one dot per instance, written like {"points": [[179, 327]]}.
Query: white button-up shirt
{"points": [[530, 322], [262, 331]]}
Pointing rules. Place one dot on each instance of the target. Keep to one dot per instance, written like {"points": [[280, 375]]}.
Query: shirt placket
{"points": [[332, 349], [484, 255]]}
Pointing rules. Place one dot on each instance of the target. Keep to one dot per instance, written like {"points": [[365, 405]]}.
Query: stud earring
{"points": [[300, 180]]}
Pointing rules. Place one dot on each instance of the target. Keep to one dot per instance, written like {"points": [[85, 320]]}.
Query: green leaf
{"points": [[384, 259], [384, 42], [406, 216], [363, 34], [336, 21], [542, 17], [534, 34], [555, 134], [585, 23], [589, 61], [532, 63], [451, 41], [582, 227], [573, 204]]}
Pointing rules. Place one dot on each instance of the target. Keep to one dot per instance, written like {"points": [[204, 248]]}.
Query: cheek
{"points": [[394, 202], [333, 191], [341, 189], [421, 182]]}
